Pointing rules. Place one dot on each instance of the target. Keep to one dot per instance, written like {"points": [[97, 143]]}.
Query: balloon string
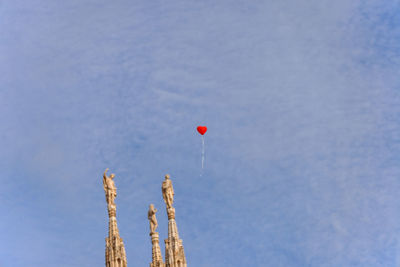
{"points": [[202, 154]]}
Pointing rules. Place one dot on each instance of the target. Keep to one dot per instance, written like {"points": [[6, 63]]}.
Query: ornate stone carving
{"points": [[151, 215], [109, 187], [168, 192], [171, 213], [115, 250], [174, 252]]}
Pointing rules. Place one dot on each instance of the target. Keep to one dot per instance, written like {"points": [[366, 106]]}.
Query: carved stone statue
{"points": [[151, 215], [168, 192], [109, 187]]}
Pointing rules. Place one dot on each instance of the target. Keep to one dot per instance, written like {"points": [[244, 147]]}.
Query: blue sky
{"points": [[301, 99]]}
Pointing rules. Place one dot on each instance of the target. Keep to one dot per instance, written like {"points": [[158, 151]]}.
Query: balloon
{"points": [[202, 129]]}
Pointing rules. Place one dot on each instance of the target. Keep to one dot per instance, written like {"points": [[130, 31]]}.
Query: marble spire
{"points": [[174, 252], [157, 260], [115, 250]]}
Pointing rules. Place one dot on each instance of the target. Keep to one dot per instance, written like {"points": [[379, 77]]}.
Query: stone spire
{"points": [[115, 250], [157, 260], [174, 252]]}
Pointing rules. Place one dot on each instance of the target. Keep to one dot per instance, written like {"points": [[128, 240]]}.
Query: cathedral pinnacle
{"points": [[174, 252], [115, 250], [157, 260]]}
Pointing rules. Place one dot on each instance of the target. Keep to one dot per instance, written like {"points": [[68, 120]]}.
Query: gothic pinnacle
{"points": [[115, 250]]}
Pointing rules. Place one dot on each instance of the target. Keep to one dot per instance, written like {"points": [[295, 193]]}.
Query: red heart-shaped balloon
{"points": [[202, 129]]}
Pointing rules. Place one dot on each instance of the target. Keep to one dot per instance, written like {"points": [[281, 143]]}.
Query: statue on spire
{"points": [[168, 192], [109, 187], [157, 260], [174, 252], [151, 215], [115, 250]]}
